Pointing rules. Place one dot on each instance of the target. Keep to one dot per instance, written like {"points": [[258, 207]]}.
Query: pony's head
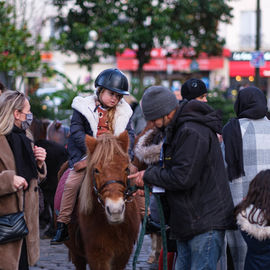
{"points": [[39, 128], [57, 132], [107, 171]]}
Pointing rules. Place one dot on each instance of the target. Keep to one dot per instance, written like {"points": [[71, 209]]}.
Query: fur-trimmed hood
{"points": [[86, 106], [260, 232], [145, 150]]}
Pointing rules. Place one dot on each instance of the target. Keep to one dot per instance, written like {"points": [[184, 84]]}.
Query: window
{"points": [[248, 29]]}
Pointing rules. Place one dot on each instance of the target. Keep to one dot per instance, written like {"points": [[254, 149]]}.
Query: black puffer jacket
{"points": [[194, 176]]}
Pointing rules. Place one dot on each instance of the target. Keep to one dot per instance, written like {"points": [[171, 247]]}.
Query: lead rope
{"points": [[161, 212], [163, 230], [142, 232], [162, 222]]}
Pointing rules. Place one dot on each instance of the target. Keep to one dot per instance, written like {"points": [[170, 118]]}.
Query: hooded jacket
{"points": [[257, 237], [85, 121], [194, 175], [251, 103]]}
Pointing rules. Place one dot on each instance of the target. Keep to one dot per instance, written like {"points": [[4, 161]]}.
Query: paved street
{"points": [[56, 257]]}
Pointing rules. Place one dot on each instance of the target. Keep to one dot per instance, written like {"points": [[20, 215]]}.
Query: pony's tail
{"points": [[86, 202]]}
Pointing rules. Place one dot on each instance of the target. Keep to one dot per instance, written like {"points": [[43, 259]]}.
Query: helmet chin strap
{"points": [[103, 105], [99, 100]]}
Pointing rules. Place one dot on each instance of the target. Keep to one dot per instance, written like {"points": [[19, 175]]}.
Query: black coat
{"points": [[194, 176]]}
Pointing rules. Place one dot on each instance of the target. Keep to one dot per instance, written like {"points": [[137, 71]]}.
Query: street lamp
{"points": [[258, 41]]}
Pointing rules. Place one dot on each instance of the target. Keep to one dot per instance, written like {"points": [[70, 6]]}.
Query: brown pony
{"points": [[108, 219]]}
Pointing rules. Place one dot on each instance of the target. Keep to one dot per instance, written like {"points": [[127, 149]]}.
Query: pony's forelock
{"points": [[106, 149]]}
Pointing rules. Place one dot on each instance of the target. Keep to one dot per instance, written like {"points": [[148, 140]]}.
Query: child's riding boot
{"points": [[61, 234]]}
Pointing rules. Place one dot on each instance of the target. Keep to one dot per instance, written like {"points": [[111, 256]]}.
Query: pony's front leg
{"points": [[100, 266], [99, 261], [120, 262], [80, 265]]}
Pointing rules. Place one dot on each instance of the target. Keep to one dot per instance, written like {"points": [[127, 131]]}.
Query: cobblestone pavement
{"points": [[56, 257]]}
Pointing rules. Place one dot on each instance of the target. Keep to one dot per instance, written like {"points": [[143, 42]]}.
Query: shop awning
{"points": [[244, 69], [159, 62], [241, 68]]}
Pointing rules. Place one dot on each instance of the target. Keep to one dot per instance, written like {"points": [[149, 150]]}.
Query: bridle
{"points": [[129, 190]]}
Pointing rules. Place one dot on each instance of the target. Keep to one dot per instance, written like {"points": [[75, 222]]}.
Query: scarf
{"points": [[25, 161], [251, 103]]}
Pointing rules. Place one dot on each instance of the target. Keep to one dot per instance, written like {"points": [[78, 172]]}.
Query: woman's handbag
{"points": [[13, 227]]}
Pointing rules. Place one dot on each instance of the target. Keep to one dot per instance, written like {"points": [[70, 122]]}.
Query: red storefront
{"points": [[172, 67], [160, 62], [242, 71]]}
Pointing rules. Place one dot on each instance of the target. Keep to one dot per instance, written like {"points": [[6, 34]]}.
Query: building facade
{"points": [[233, 69], [240, 36]]}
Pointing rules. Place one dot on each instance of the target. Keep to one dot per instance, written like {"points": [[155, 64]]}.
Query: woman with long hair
{"points": [[253, 219], [21, 165]]}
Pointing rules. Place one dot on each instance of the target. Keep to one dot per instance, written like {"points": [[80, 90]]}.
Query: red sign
{"points": [[244, 69], [159, 62], [265, 70], [46, 56]]}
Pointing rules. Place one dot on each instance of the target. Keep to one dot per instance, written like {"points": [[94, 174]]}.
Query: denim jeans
{"points": [[202, 252]]}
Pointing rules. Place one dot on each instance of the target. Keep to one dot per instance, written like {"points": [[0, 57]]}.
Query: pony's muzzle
{"points": [[115, 210]]}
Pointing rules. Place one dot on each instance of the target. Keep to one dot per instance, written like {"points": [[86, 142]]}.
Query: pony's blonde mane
{"points": [[106, 149]]}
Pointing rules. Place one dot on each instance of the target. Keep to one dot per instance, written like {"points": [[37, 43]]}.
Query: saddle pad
{"points": [[59, 191]]}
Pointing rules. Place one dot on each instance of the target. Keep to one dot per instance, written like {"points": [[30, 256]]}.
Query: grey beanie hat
{"points": [[157, 102]]}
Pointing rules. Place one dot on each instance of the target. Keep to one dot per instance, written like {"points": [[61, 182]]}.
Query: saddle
{"points": [[59, 191]]}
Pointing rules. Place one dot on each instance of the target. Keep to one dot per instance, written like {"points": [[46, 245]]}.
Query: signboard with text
{"points": [[257, 59]]}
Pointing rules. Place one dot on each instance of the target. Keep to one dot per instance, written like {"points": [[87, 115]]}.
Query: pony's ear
{"points": [[123, 139], [91, 143]]}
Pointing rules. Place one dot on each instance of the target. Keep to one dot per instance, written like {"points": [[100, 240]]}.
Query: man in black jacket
{"points": [[193, 176]]}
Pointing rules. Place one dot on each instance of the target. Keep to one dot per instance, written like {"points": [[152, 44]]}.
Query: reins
{"points": [[142, 232]]}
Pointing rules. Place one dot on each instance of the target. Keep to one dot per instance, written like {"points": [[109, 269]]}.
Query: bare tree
{"points": [[33, 13]]}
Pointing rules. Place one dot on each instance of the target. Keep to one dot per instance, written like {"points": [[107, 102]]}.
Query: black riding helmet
{"points": [[113, 79]]}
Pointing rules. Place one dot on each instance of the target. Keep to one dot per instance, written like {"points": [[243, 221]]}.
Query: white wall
{"points": [[231, 32]]}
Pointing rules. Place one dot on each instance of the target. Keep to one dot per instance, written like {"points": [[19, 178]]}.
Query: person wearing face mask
{"points": [[104, 112], [21, 165], [192, 174]]}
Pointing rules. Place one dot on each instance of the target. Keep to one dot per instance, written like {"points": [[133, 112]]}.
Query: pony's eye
{"points": [[127, 171], [96, 171]]}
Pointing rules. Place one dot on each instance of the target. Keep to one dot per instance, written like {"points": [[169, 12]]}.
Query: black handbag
{"points": [[12, 227]]}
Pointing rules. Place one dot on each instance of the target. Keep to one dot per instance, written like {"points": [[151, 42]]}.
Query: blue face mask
{"points": [[27, 123]]}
